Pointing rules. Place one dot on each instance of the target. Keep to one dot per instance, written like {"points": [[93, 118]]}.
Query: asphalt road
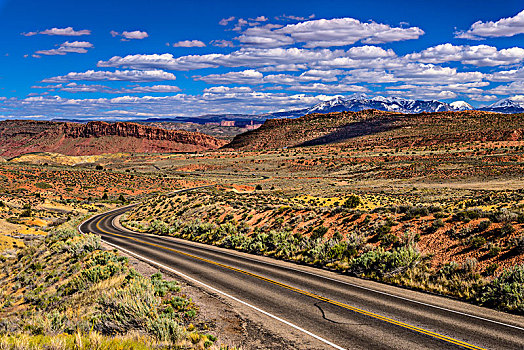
{"points": [[337, 312]]}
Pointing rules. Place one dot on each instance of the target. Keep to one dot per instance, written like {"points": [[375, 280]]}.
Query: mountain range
{"points": [[362, 102]]}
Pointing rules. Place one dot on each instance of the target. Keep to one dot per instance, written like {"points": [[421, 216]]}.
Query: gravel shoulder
{"points": [[233, 323]]}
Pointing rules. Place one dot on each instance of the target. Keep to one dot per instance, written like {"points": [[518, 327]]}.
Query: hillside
{"points": [[20, 136], [377, 128]]}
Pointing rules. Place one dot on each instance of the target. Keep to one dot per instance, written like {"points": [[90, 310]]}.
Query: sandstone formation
{"points": [[24, 136]]}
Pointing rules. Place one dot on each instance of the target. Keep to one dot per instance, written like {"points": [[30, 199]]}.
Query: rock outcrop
{"points": [[23, 136]]}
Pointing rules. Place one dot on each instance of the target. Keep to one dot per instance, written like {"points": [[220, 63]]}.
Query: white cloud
{"points": [[256, 57], [504, 27], [516, 87], [222, 43], [294, 18], [225, 21], [189, 43], [327, 88], [427, 74], [74, 88], [264, 37], [240, 23], [149, 89], [69, 31], [67, 47], [369, 76], [328, 33], [517, 98], [227, 89], [126, 35], [479, 55], [248, 76], [484, 98], [259, 19], [125, 75], [245, 101], [253, 77], [506, 75]]}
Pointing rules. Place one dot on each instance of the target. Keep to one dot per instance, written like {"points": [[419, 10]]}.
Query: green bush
{"points": [[352, 201], [477, 242], [506, 292], [166, 329], [43, 185]]}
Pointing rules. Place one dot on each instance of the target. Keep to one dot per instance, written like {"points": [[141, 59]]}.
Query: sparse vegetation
{"points": [[70, 292]]}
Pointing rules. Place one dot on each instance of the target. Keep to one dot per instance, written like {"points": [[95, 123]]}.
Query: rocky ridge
{"points": [[23, 136]]}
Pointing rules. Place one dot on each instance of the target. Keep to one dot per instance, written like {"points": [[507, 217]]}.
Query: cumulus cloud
{"points": [[427, 74], [369, 76], [227, 89], [245, 101], [264, 37], [328, 33], [327, 88], [225, 21], [254, 57], [68, 31], [294, 18], [504, 27], [126, 35], [506, 75], [222, 43], [516, 87], [74, 88], [240, 24], [67, 47], [124, 75], [259, 19], [479, 55], [189, 43], [254, 77]]}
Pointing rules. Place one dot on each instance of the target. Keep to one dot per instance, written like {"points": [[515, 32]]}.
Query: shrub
{"points": [[166, 329], [520, 245], [494, 250], [132, 307], [477, 242], [319, 232], [506, 229], [490, 270], [483, 226], [162, 286], [506, 292], [352, 201], [43, 185]]}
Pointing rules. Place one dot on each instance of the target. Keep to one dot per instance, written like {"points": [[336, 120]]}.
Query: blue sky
{"points": [[135, 59]]}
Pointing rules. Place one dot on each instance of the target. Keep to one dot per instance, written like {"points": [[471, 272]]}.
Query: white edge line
{"points": [[226, 295], [213, 248], [325, 277]]}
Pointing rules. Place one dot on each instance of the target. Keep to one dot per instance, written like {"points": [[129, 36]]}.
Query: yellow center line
{"points": [[303, 292]]}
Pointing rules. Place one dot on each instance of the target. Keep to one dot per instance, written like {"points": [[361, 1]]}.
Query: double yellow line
{"points": [[303, 292]]}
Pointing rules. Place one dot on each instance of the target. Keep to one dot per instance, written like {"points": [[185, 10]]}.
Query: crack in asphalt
{"points": [[318, 306]]}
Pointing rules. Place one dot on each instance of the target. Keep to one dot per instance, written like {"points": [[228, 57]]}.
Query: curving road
{"points": [[336, 311]]}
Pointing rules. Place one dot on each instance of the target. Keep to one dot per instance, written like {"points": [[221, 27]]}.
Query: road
{"points": [[338, 311]]}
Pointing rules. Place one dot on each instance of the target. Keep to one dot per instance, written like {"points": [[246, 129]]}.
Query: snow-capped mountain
{"points": [[460, 106], [507, 105], [393, 104]]}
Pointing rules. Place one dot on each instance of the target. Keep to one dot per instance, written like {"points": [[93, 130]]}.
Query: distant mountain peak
{"points": [[359, 102], [461, 106], [506, 105]]}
